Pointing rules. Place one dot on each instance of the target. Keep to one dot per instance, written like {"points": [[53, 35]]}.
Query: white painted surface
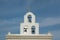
{"points": [[28, 25]]}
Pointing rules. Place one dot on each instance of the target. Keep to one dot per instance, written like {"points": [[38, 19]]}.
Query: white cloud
{"points": [[50, 21], [9, 25], [56, 35], [10, 21]]}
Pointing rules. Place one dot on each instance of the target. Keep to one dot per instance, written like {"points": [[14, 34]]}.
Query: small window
{"points": [[25, 29], [33, 29], [29, 18]]}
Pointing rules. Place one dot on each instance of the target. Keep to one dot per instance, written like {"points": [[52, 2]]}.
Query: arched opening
{"points": [[29, 18], [33, 29], [25, 29]]}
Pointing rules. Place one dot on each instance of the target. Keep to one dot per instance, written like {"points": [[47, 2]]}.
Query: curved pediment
{"points": [[29, 13], [29, 17]]}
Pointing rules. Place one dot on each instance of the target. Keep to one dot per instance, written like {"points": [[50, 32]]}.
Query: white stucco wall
{"points": [[28, 35], [29, 25]]}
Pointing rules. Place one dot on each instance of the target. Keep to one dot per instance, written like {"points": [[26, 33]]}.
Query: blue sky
{"points": [[47, 14]]}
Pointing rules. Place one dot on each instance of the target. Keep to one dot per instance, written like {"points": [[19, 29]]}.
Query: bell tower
{"points": [[29, 30], [29, 26]]}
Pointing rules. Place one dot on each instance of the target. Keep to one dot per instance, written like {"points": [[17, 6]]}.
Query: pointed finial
{"points": [[9, 33]]}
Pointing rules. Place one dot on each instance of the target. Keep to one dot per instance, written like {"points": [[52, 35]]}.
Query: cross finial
{"points": [[28, 9], [29, 5]]}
